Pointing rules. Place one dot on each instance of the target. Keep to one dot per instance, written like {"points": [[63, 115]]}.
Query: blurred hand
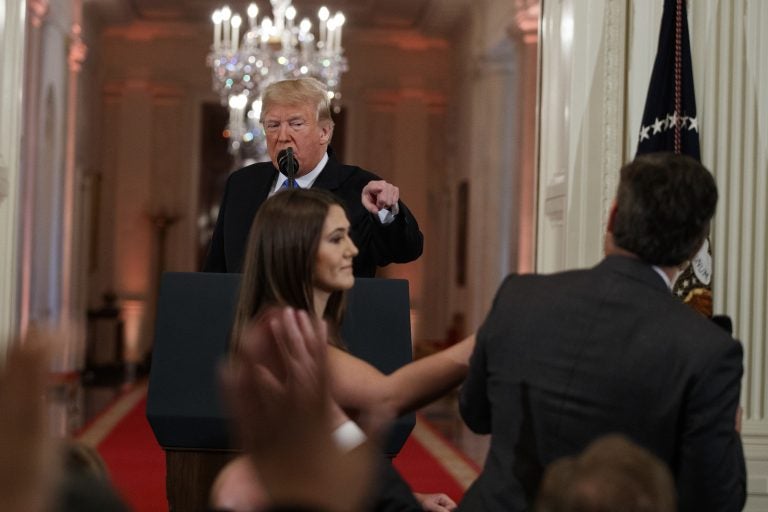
{"points": [[437, 502], [284, 414], [28, 463], [379, 194]]}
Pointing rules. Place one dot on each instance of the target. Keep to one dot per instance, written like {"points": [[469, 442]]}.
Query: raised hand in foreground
{"points": [[277, 388], [28, 465]]}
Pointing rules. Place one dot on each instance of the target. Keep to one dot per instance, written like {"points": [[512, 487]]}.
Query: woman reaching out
{"points": [[300, 255]]}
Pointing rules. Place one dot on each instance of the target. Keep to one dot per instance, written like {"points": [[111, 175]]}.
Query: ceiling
{"points": [[433, 17]]}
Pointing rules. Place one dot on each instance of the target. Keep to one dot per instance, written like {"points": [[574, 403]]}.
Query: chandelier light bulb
{"points": [[236, 22], [266, 29], [226, 13], [253, 11], [323, 13], [233, 101], [290, 13], [216, 18], [340, 19], [305, 25]]}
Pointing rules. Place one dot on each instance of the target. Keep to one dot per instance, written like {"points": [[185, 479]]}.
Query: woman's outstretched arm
{"points": [[357, 385]]}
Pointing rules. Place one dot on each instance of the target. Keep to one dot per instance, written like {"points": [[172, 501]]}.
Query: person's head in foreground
{"points": [[613, 474], [300, 255], [662, 209]]}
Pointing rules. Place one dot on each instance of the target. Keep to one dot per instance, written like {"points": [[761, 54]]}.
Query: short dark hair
{"points": [[664, 206]]}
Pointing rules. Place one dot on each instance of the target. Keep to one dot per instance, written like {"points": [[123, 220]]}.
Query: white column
{"points": [[71, 311], [581, 145], [408, 173], [524, 32], [493, 177], [11, 73], [129, 187], [37, 11]]}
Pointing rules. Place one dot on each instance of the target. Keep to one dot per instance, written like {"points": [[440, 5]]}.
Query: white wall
{"points": [[729, 44], [591, 105]]}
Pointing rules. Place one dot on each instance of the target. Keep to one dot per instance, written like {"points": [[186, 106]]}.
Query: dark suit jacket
{"points": [[566, 358], [246, 189]]}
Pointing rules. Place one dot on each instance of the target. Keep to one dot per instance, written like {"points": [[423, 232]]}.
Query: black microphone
{"points": [[725, 322], [288, 165]]}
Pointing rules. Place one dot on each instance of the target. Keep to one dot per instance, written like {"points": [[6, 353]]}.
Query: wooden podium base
{"points": [[189, 475]]}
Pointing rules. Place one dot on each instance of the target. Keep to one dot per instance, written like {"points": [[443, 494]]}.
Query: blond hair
{"points": [[299, 91]]}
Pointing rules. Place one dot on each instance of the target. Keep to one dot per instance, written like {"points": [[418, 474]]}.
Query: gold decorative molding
{"points": [[406, 40], [77, 49], [38, 10], [614, 86], [151, 31], [432, 98], [158, 90], [526, 22]]}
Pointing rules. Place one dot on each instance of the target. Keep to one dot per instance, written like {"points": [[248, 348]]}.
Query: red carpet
{"points": [[137, 463], [425, 474]]}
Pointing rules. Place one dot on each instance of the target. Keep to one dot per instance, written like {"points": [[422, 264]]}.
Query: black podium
{"points": [[194, 319]]}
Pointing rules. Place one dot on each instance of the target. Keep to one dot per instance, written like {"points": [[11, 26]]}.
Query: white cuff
{"points": [[387, 215], [348, 435]]}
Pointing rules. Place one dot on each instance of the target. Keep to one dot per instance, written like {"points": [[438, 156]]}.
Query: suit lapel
{"points": [[330, 177], [264, 181]]}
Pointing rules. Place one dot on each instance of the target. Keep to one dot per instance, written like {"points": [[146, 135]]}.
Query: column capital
{"points": [[38, 10], [77, 49], [526, 21]]}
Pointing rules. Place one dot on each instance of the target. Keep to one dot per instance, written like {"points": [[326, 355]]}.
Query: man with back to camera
{"points": [[296, 114], [563, 359]]}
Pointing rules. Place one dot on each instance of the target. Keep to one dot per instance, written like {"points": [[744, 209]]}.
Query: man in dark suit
{"points": [[566, 358], [296, 114]]}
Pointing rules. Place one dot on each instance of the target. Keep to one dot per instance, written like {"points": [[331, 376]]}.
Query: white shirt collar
{"points": [[663, 275], [305, 181]]}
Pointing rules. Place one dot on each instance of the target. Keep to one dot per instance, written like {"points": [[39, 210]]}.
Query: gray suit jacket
{"points": [[565, 358]]}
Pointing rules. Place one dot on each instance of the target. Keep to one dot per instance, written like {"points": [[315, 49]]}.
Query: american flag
{"points": [[670, 123]]}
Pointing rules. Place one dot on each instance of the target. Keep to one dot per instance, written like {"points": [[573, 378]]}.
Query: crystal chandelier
{"points": [[271, 49]]}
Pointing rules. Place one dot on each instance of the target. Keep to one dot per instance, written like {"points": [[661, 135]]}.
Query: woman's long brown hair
{"points": [[279, 264]]}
